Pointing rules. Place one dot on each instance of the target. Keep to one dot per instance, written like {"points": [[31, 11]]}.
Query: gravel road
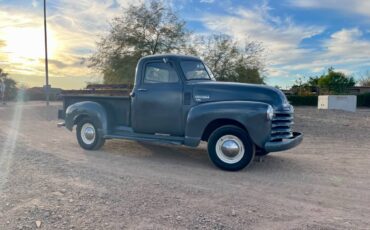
{"points": [[47, 180]]}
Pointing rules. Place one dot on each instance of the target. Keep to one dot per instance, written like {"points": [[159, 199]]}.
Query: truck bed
{"points": [[117, 107]]}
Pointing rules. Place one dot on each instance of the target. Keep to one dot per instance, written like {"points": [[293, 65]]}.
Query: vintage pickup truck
{"points": [[175, 99]]}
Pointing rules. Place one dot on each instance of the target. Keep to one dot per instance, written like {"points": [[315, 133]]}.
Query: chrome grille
{"points": [[281, 127]]}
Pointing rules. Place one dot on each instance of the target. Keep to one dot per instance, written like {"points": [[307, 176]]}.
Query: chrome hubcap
{"points": [[88, 133], [230, 149]]}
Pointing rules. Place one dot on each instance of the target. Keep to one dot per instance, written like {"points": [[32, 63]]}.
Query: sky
{"points": [[301, 38]]}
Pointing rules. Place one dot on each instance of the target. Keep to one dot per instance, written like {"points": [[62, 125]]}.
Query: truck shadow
{"points": [[277, 163], [177, 154], [198, 157]]}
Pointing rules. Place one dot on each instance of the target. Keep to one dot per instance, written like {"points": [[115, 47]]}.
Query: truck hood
{"points": [[208, 91]]}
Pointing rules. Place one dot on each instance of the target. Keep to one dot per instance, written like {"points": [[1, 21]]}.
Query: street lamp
{"points": [[47, 86]]}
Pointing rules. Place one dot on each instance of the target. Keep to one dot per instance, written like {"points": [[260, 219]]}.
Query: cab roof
{"points": [[172, 57]]}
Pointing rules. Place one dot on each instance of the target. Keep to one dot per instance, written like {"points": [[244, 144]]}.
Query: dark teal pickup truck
{"points": [[176, 100]]}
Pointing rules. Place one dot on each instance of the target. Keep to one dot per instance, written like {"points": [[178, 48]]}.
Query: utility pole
{"points": [[47, 86]]}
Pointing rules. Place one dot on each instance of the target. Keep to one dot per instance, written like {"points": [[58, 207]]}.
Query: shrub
{"points": [[363, 100], [303, 100]]}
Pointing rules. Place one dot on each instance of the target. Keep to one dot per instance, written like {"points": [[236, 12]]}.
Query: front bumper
{"points": [[276, 146]]}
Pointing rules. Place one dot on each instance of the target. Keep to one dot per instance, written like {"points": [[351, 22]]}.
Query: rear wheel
{"points": [[230, 148], [87, 135]]}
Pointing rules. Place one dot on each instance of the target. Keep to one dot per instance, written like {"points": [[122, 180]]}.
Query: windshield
{"points": [[196, 70]]}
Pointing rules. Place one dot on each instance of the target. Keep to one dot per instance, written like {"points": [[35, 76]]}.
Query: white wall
{"points": [[341, 102]]}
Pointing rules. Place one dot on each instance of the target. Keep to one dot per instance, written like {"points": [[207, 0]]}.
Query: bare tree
{"points": [[231, 62], [365, 80]]}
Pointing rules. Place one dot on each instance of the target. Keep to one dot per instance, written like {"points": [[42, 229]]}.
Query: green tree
{"points": [[313, 81], [229, 62], [147, 29], [335, 82], [10, 85]]}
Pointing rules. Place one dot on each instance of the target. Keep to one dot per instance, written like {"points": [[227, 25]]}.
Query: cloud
{"points": [[360, 7], [35, 3], [73, 62], [75, 26], [279, 35], [343, 47], [348, 43], [207, 1], [346, 49], [25, 44], [73, 29]]}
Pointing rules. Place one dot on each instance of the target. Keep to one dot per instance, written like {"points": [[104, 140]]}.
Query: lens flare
{"points": [[7, 150]]}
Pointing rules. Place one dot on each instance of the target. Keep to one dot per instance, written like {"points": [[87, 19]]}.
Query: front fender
{"points": [[93, 110], [252, 115]]}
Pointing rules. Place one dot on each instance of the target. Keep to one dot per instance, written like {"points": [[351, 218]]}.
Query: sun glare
{"points": [[26, 45], [9, 143]]}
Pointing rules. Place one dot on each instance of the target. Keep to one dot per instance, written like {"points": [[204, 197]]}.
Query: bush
{"points": [[303, 100], [363, 100]]}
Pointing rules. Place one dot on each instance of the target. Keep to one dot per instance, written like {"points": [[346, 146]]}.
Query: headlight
{"points": [[270, 113]]}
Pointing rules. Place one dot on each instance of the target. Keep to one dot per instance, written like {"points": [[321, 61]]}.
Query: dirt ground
{"points": [[45, 176]]}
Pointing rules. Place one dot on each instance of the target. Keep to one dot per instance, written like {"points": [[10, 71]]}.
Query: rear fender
{"points": [[93, 110]]}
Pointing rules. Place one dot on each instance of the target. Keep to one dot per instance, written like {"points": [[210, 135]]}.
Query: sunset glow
{"points": [[27, 44], [301, 38]]}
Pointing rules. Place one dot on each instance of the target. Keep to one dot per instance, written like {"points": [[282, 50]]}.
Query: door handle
{"points": [[142, 90]]}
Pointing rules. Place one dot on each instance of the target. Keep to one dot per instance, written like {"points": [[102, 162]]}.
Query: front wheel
{"points": [[230, 148], [87, 135]]}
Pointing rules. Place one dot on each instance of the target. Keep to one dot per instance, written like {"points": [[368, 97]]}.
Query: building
{"points": [[356, 90]]}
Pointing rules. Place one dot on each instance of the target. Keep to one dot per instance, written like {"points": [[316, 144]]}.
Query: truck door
{"points": [[157, 101]]}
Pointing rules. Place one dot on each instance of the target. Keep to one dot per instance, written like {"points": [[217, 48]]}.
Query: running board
{"points": [[148, 138]]}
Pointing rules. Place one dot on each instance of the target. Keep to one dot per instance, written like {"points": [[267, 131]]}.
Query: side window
{"points": [[157, 72]]}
